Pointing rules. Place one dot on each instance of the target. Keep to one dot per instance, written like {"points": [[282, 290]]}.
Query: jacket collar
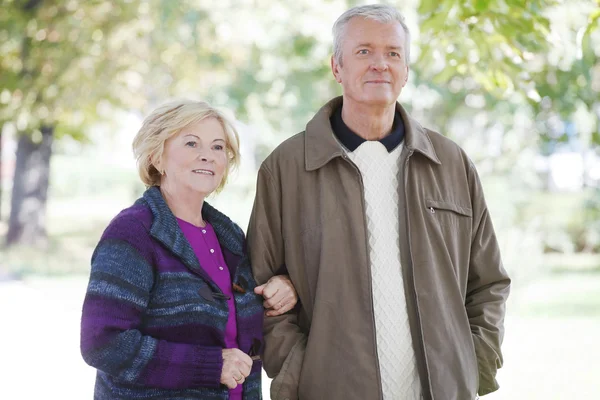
{"points": [[321, 145], [166, 229]]}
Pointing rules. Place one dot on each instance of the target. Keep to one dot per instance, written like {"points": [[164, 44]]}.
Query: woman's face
{"points": [[194, 160]]}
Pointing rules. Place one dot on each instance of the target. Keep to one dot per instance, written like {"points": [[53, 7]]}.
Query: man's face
{"points": [[373, 68]]}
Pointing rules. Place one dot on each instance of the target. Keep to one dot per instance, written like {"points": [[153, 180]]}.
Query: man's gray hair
{"points": [[377, 12]]}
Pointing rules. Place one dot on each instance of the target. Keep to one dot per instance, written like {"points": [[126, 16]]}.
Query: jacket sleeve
{"points": [[285, 343], [116, 300], [488, 287]]}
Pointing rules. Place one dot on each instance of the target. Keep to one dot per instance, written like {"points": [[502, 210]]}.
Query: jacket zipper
{"points": [[362, 200], [412, 264]]}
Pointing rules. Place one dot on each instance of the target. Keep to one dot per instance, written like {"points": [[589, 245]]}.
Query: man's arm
{"points": [[487, 290], [284, 341]]}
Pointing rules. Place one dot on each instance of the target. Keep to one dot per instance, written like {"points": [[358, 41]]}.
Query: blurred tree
{"points": [[568, 77], [1, 169], [545, 51], [57, 58], [67, 64], [487, 40]]}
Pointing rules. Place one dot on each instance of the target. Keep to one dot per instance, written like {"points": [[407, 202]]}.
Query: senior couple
{"points": [[370, 246]]}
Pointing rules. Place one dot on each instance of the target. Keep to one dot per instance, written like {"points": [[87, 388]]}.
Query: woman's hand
{"points": [[279, 293], [236, 367]]}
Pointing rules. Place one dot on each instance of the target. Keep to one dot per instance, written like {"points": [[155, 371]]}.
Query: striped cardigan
{"points": [[153, 322]]}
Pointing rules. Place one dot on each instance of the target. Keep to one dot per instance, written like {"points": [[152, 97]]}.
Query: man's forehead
{"points": [[390, 44], [360, 27]]}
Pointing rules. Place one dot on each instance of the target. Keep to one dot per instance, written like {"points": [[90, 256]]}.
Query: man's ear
{"points": [[335, 70]]}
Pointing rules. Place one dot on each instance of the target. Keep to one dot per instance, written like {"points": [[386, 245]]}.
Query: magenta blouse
{"points": [[206, 247]]}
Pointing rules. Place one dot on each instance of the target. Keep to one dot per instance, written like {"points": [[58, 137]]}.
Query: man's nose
{"points": [[379, 63]]}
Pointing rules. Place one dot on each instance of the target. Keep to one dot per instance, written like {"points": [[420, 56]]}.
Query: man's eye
{"points": [[363, 51], [394, 54], [191, 144]]}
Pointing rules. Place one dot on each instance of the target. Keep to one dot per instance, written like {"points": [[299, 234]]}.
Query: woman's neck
{"points": [[185, 206]]}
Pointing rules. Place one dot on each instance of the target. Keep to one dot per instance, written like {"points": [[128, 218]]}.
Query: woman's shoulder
{"points": [[127, 236], [133, 221]]}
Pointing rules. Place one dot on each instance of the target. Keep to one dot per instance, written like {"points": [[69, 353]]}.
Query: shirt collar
{"points": [[351, 140]]}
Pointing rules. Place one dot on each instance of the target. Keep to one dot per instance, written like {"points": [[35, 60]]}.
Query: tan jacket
{"points": [[309, 217]]}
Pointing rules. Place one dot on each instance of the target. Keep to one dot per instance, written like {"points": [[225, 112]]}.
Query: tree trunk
{"points": [[27, 223], [1, 169]]}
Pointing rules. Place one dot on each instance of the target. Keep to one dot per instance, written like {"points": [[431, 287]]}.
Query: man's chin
{"points": [[379, 101]]}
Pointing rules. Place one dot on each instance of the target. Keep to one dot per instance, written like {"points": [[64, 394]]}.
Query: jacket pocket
{"points": [[447, 237], [448, 218], [440, 205]]}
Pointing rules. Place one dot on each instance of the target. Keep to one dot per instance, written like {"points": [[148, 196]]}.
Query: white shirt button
{"points": [[203, 230], [221, 268], [212, 250]]}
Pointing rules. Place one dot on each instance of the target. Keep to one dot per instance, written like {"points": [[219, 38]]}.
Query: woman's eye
{"points": [[191, 144], [218, 147]]}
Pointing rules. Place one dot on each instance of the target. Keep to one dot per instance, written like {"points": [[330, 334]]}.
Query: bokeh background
{"points": [[515, 82]]}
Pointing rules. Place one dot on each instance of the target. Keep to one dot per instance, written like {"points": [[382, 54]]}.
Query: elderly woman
{"points": [[171, 310]]}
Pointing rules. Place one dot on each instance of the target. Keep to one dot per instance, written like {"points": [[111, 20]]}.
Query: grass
{"points": [[74, 227], [564, 292], [65, 254]]}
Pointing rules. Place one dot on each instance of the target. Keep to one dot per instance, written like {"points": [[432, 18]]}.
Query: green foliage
{"points": [[567, 79], [488, 40], [56, 60]]}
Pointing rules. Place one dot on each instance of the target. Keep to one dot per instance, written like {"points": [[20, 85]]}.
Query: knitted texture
{"points": [[153, 323], [379, 169]]}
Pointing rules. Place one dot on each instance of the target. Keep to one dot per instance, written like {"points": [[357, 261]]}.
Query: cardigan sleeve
{"points": [[117, 297]]}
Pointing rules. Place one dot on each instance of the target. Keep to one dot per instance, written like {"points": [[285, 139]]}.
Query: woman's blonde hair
{"points": [[168, 120]]}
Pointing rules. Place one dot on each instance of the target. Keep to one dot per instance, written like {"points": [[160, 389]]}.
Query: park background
{"points": [[515, 82]]}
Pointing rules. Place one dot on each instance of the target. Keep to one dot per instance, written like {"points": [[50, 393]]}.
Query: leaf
{"points": [[428, 6], [481, 5]]}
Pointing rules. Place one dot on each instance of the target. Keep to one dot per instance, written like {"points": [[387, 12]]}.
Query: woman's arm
{"points": [[117, 296]]}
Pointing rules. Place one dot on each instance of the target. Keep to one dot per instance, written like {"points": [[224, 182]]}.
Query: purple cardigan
{"points": [[153, 321]]}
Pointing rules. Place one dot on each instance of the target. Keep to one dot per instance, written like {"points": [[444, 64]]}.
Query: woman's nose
{"points": [[204, 156]]}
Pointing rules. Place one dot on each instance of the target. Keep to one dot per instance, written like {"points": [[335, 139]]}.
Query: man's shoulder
{"points": [[446, 149], [289, 152]]}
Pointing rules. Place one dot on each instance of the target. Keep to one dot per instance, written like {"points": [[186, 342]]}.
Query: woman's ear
{"points": [[156, 162]]}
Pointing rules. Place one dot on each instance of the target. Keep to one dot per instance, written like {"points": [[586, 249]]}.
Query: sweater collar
{"points": [[166, 229]]}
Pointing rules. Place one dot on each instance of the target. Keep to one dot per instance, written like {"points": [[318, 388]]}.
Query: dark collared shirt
{"points": [[351, 140]]}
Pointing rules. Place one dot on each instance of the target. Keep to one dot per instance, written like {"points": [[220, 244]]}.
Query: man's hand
{"points": [[279, 293]]}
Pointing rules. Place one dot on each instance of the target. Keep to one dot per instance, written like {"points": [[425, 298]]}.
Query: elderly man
{"points": [[385, 233]]}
